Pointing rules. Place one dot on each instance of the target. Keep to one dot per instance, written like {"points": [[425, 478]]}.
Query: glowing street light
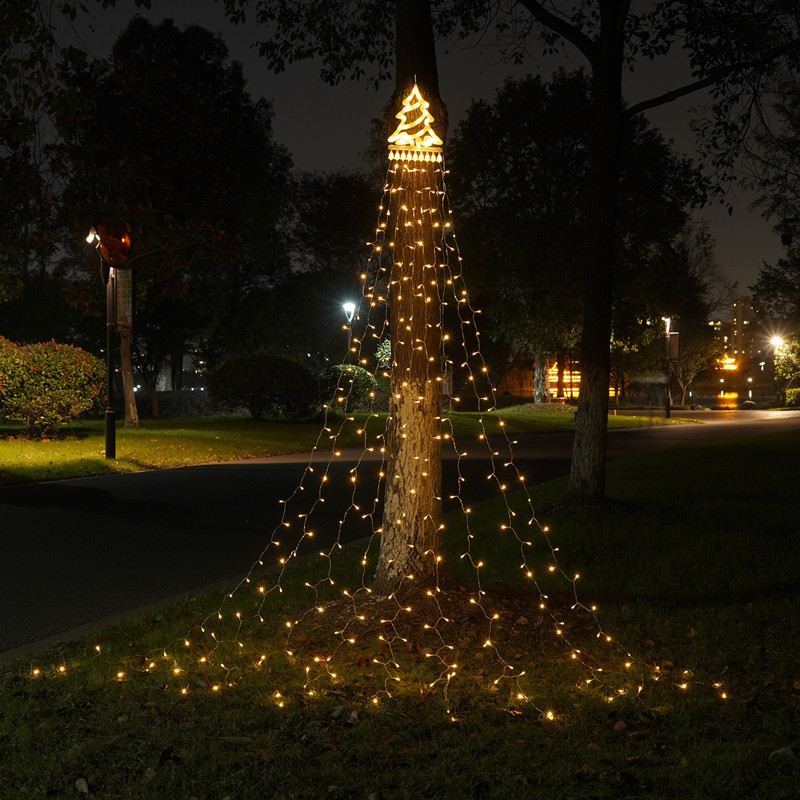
{"points": [[349, 311]]}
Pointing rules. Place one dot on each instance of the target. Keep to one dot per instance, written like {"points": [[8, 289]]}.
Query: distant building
{"points": [[722, 334], [744, 327]]}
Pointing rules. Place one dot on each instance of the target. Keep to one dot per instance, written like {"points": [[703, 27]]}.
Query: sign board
{"points": [[123, 299], [672, 353]]}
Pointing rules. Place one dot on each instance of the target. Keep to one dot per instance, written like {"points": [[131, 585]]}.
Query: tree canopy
{"points": [[519, 180], [732, 49], [166, 139]]}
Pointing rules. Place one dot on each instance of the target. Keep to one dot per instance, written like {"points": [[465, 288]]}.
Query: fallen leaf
{"points": [[82, 786], [147, 775]]}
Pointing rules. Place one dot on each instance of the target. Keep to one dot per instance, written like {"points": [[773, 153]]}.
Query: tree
{"points": [[411, 531], [695, 357], [787, 363], [519, 176], [732, 49], [777, 290], [166, 139], [518, 183]]}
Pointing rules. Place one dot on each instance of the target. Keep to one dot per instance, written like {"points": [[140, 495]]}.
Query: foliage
{"points": [[187, 158], [733, 48], [694, 358], [787, 362], [520, 178], [775, 162], [265, 385], [48, 384], [348, 386], [793, 398], [777, 290]]}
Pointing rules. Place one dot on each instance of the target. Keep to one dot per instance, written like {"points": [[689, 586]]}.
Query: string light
{"points": [[415, 161]]}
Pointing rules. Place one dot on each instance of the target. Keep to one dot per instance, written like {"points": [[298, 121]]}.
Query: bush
{"points": [[348, 386], [45, 385], [266, 386], [793, 398]]}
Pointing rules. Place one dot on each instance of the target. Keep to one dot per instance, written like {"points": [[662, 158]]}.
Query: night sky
{"points": [[327, 128]]}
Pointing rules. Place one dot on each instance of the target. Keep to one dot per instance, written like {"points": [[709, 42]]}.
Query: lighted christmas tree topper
{"points": [[414, 138]]}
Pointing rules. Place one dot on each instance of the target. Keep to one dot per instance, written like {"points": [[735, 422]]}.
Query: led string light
{"points": [[400, 213]]}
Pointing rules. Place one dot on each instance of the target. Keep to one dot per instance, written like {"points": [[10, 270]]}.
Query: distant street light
{"points": [[349, 311]]}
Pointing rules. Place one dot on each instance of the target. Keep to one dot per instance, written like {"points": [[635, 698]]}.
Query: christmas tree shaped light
{"points": [[414, 138]]}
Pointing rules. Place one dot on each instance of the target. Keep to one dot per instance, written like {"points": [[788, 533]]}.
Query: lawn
{"points": [[80, 449], [695, 567]]}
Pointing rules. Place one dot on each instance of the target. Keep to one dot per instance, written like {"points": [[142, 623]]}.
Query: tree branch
{"points": [[713, 77], [563, 28]]}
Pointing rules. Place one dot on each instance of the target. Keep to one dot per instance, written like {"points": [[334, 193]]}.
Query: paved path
{"points": [[78, 551]]}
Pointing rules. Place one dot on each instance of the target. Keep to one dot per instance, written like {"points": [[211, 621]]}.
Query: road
{"points": [[81, 551]]}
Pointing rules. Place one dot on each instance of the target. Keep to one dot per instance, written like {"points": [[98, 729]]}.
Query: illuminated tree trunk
{"points": [[411, 532]]}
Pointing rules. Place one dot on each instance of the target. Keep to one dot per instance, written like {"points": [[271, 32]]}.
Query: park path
{"points": [[77, 554]]}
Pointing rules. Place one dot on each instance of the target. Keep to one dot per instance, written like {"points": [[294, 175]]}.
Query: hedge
{"points": [[47, 384]]}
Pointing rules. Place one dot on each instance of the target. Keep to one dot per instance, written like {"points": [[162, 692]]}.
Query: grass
{"points": [[80, 449], [695, 565]]}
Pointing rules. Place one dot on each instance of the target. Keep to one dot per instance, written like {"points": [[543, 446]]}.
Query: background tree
{"points": [[777, 290], [519, 180], [694, 358], [787, 364], [166, 139], [732, 48]]}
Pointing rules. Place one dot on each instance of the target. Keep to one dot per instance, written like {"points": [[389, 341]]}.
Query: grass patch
{"points": [[696, 568], [162, 443]]}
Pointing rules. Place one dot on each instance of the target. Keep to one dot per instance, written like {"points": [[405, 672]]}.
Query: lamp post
{"points": [[111, 414], [776, 342], [113, 244], [670, 355]]}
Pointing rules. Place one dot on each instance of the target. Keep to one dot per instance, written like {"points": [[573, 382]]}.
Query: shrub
{"points": [[47, 384], [349, 386], [265, 386], [793, 398]]}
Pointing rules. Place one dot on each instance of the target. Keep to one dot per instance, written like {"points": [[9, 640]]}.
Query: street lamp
{"points": [[670, 356], [777, 343], [349, 311], [113, 244]]}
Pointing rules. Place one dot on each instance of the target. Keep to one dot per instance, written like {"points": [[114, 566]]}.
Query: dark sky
{"points": [[326, 128]]}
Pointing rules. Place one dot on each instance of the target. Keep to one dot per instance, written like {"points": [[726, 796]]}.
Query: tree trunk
{"points": [[588, 470], [540, 387], [411, 533], [131, 412]]}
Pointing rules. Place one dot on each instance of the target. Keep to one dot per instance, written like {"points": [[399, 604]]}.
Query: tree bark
{"points": [[131, 415], [587, 477], [541, 393], [411, 533]]}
